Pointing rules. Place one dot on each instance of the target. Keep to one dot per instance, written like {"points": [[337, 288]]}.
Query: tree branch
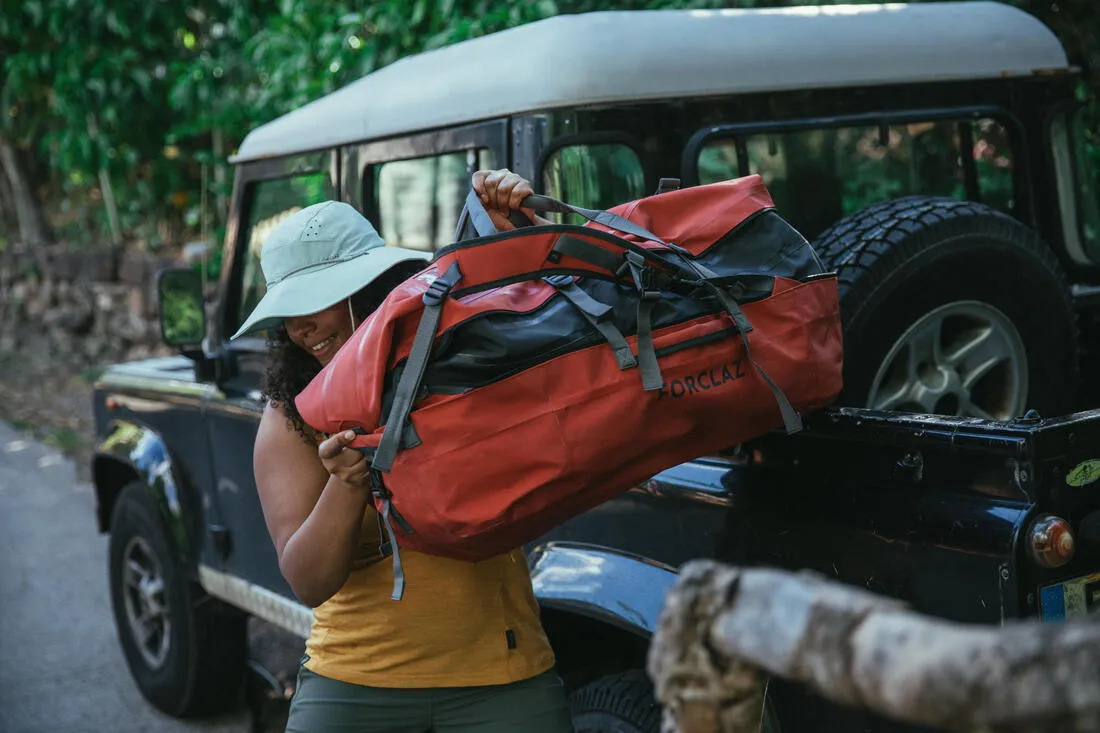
{"points": [[32, 224], [722, 629]]}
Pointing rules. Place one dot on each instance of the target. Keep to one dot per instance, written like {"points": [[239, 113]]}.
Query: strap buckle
{"points": [[642, 273], [377, 486], [559, 281], [437, 291]]}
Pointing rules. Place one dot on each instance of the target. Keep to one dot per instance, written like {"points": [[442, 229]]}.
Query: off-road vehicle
{"points": [[933, 153]]}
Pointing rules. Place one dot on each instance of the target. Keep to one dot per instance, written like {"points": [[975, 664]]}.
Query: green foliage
{"points": [[155, 96], [182, 318], [85, 89]]}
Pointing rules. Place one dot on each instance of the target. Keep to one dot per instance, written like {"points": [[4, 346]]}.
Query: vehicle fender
{"points": [[131, 453], [623, 590]]}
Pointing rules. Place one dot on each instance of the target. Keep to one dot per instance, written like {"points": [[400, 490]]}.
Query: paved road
{"points": [[61, 668]]}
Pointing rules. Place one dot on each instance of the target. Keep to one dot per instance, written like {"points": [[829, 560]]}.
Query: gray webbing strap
{"points": [[612, 221], [410, 438], [379, 491], [588, 252], [478, 216], [730, 304], [647, 355], [595, 313], [409, 384], [398, 571], [463, 230], [385, 544], [615, 339], [585, 303], [474, 221], [791, 420]]}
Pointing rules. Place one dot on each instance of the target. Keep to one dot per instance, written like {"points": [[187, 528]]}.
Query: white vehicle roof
{"points": [[625, 56]]}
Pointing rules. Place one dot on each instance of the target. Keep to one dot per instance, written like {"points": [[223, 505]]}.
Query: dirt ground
{"points": [[50, 402]]}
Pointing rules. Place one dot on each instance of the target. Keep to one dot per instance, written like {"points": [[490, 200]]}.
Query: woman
{"points": [[464, 650]]}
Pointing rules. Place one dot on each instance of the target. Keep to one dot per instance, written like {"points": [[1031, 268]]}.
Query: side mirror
{"points": [[181, 307]]}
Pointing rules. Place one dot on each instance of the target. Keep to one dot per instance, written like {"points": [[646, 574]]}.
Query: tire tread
{"points": [[627, 695]]}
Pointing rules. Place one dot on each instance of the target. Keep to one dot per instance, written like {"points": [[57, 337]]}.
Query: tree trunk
{"points": [[220, 199], [723, 629], [9, 222], [32, 225], [105, 187]]}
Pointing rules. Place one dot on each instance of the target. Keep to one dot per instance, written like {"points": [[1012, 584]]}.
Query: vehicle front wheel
{"points": [[185, 651]]}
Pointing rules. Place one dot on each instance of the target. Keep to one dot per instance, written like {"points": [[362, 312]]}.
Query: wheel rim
{"points": [[965, 358], [145, 596]]}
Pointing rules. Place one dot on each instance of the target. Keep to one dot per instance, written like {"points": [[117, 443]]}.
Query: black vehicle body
{"points": [[933, 510]]}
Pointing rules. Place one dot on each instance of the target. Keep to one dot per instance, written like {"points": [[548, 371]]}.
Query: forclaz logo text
{"points": [[704, 381]]}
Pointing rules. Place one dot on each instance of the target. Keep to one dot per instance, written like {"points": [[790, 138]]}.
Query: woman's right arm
{"points": [[314, 517]]}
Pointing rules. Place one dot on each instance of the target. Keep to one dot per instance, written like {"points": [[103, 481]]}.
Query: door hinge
{"points": [[220, 536]]}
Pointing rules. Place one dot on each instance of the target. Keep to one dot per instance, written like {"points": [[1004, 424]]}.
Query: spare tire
{"points": [[951, 307]]}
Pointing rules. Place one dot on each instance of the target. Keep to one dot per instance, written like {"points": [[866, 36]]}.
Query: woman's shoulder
{"points": [[278, 431]]}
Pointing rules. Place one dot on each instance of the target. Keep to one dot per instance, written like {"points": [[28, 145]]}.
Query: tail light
{"points": [[1050, 541]]}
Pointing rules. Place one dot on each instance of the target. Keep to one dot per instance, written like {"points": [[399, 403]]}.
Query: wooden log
{"points": [[724, 630]]}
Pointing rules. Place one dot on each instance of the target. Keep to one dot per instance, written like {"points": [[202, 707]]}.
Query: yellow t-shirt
{"points": [[459, 624]]}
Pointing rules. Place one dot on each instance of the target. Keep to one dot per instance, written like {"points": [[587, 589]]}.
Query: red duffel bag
{"points": [[527, 376]]}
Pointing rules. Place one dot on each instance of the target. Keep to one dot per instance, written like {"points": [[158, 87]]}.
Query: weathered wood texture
{"points": [[724, 630]]}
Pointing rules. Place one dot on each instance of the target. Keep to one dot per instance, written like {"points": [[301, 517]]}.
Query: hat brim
{"points": [[312, 291]]}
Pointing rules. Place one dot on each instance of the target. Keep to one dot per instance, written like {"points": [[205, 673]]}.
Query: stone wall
{"points": [[81, 308]]}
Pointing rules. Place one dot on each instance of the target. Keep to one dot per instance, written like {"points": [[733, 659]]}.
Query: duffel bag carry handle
{"points": [[538, 202], [474, 220], [475, 217]]}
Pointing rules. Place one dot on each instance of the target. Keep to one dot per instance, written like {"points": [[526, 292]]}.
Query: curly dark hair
{"points": [[290, 367]]}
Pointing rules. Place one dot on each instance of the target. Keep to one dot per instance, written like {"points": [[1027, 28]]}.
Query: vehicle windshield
{"points": [[269, 202]]}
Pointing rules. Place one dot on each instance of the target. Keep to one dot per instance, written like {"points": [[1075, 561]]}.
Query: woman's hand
{"points": [[502, 191], [347, 464]]}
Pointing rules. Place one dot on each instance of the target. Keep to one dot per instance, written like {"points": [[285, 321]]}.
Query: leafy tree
{"points": [[119, 115], [94, 109]]}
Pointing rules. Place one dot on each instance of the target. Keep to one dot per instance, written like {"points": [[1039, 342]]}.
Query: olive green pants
{"points": [[323, 705]]}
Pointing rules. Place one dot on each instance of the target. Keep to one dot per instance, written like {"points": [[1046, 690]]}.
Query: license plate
{"points": [[1070, 599]]}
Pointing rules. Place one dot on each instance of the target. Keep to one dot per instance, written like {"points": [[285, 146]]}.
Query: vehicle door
{"points": [[267, 192]]}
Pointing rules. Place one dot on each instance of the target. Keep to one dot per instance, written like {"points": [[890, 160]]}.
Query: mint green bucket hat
{"points": [[317, 257]]}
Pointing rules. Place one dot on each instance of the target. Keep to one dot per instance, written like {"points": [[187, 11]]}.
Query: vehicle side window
{"points": [[719, 161], [993, 162], [418, 200], [819, 176], [593, 176], [1085, 155], [270, 202]]}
